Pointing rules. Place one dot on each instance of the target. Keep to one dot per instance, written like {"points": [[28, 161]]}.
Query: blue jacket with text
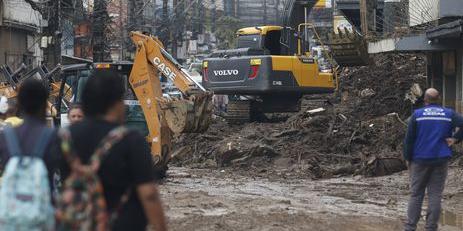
{"points": [[428, 129]]}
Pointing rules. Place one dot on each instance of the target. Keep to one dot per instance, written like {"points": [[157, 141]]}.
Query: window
{"points": [[272, 42], [250, 41]]}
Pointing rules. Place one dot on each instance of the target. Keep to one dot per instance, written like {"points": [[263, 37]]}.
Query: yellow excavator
{"points": [[164, 116], [272, 67], [268, 73]]}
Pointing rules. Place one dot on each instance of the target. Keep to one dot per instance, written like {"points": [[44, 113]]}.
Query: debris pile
{"points": [[359, 130]]}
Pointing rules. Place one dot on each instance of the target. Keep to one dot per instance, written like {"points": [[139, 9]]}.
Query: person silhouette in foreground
{"points": [[127, 170]]}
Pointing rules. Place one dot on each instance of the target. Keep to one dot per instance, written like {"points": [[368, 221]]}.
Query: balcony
{"points": [[422, 12]]}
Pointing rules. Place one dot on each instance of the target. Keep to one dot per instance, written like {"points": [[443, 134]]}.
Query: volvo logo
{"points": [[226, 72]]}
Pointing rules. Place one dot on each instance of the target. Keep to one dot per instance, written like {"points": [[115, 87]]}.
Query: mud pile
{"points": [[358, 130]]}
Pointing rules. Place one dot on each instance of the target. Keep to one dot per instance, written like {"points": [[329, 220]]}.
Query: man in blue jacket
{"points": [[427, 149]]}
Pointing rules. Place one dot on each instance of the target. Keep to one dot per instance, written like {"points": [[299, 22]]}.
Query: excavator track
{"points": [[238, 112]]}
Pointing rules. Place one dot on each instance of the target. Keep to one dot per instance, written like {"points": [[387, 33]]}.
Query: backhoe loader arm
{"points": [[166, 64], [166, 116]]}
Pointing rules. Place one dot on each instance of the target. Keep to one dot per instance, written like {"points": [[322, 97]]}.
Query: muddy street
{"points": [[198, 199]]}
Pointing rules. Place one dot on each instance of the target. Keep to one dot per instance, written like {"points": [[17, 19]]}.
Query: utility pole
{"points": [[277, 11], [173, 31], [368, 17], [265, 11], [58, 34], [200, 18], [214, 16], [135, 21], [99, 38], [122, 32], [52, 54], [163, 35], [237, 9]]}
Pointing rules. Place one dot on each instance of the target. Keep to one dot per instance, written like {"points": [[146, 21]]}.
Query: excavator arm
{"points": [[165, 116]]}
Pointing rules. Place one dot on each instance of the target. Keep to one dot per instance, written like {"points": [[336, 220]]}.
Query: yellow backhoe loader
{"points": [[162, 115], [165, 116]]}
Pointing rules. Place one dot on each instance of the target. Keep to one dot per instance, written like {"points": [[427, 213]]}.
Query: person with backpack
{"points": [[29, 155], [109, 171]]}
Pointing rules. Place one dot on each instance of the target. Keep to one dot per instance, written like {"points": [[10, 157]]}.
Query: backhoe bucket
{"points": [[192, 115], [349, 48]]}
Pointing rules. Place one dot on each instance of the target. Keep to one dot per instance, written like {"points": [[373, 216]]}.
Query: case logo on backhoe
{"points": [[164, 68]]}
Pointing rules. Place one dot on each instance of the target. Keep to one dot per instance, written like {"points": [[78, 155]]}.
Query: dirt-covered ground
{"points": [[338, 168], [223, 200], [358, 131]]}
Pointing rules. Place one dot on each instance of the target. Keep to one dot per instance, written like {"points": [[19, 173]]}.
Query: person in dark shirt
{"points": [[128, 168], [32, 103]]}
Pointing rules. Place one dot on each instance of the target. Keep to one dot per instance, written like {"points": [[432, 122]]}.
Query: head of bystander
{"points": [[32, 100], [103, 97], [75, 113], [431, 96]]}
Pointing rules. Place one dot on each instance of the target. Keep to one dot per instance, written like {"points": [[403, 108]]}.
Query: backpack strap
{"points": [[42, 143], [113, 137], [12, 141], [66, 143]]}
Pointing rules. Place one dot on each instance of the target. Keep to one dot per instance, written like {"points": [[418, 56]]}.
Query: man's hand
{"points": [[149, 197], [451, 141]]}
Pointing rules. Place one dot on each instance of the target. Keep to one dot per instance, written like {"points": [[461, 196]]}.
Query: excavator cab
{"points": [[265, 38]]}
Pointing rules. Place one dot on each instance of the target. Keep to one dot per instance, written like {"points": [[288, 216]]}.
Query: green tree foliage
{"points": [[226, 31]]}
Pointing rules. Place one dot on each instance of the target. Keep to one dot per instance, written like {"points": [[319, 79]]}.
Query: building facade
{"points": [[442, 40], [19, 34]]}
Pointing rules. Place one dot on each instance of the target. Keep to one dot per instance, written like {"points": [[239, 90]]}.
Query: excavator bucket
{"points": [[191, 115], [349, 48]]}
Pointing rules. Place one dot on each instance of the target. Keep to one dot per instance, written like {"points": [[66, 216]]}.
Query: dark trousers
{"points": [[430, 178]]}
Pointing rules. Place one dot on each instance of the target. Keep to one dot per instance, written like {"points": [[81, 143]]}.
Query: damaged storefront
{"points": [[445, 66], [443, 44]]}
